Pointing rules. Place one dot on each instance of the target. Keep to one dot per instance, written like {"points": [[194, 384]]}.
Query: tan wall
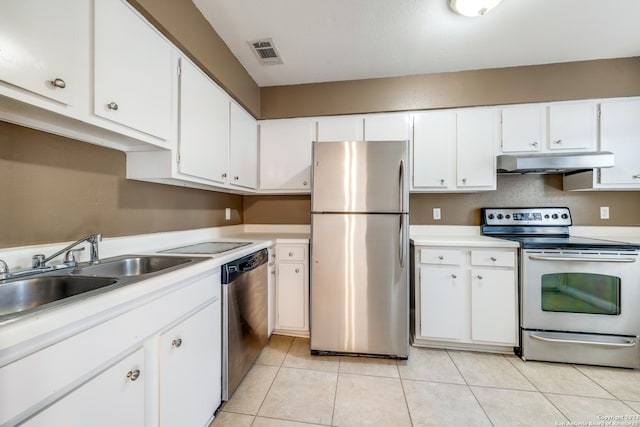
{"points": [[464, 209], [553, 82], [57, 189], [182, 23]]}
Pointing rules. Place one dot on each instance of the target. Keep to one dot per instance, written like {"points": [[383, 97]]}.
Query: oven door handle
{"points": [[626, 343], [579, 259]]}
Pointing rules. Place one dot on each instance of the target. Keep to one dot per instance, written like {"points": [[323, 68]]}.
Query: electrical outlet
{"points": [[227, 214], [436, 213], [604, 212]]}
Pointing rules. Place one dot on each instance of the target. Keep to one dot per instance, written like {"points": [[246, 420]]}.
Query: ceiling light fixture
{"points": [[473, 7]]}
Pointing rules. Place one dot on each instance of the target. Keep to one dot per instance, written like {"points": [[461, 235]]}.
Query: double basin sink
{"points": [[30, 294]]}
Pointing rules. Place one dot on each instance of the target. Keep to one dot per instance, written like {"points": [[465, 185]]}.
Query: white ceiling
{"points": [[331, 40]]}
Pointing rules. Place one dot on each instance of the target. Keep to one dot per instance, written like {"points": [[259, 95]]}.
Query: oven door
{"points": [[588, 292]]}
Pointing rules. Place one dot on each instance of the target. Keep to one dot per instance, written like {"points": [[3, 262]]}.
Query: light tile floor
{"points": [[287, 387]]}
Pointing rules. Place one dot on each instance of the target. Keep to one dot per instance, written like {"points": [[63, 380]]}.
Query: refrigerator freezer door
{"points": [[360, 290], [360, 176]]}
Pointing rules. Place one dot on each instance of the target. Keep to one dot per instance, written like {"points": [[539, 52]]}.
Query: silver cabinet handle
{"points": [[464, 180], [273, 272], [442, 181], [494, 259], [112, 106], [534, 143], [305, 183], [440, 257], [453, 276], [176, 343], [636, 176], [290, 253], [235, 178], [479, 277], [297, 270], [133, 375], [224, 175], [557, 141], [58, 82]]}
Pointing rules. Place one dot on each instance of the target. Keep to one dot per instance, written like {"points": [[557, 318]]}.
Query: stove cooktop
{"points": [[208, 248], [570, 242]]}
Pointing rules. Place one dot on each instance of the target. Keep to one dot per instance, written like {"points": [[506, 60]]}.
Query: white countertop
{"points": [[445, 235]]}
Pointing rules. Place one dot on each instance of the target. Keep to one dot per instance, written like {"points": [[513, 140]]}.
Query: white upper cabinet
{"points": [[203, 142], [475, 157], [341, 128], [620, 134], [434, 142], [522, 129], [572, 126], [243, 146], [285, 155], [454, 150], [386, 127], [39, 47], [133, 72]]}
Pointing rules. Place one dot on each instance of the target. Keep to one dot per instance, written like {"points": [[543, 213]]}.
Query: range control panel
{"points": [[526, 216]]}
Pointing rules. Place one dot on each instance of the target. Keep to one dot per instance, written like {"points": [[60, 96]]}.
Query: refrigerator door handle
{"points": [[401, 241], [402, 185]]}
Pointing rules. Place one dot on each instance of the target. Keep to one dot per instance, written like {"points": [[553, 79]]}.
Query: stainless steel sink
{"points": [[28, 293], [133, 266]]}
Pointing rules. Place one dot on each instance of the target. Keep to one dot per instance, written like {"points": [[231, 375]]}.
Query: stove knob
{"points": [[546, 216], [565, 216], [491, 216], [554, 216], [499, 216], [507, 216]]}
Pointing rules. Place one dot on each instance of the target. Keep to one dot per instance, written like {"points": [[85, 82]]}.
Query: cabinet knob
{"points": [[133, 375], [464, 180], [440, 257], [534, 143], [557, 141], [235, 178], [290, 253], [494, 259], [453, 276], [305, 183], [273, 272], [112, 106], [176, 343], [297, 270], [636, 176], [442, 181], [224, 175], [58, 82], [479, 277]]}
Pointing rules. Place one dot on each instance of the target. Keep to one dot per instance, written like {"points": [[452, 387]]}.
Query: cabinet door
{"points": [[572, 126], [341, 128], [493, 306], [285, 154], [434, 141], [386, 127], [443, 312], [191, 369], [38, 47], [476, 167], [522, 129], [133, 70], [243, 147], [291, 296], [620, 134], [204, 126], [113, 398]]}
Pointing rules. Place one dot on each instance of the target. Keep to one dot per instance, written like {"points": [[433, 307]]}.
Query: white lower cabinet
{"points": [[157, 363], [190, 369], [465, 298], [115, 397], [292, 289]]}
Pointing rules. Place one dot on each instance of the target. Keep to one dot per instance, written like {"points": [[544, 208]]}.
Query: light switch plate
{"points": [[604, 212], [227, 214], [436, 213]]}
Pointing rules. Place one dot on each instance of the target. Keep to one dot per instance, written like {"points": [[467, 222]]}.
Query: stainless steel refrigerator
{"points": [[360, 248]]}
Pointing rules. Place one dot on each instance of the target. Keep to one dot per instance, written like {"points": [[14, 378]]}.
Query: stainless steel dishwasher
{"points": [[244, 317]]}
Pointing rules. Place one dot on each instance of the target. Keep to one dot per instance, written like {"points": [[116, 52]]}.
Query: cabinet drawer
{"points": [[493, 258], [291, 253], [440, 256]]}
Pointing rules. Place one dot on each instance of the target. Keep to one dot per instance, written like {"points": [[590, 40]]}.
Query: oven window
{"points": [[581, 293]]}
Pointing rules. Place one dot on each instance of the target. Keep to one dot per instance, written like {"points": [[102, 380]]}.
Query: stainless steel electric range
{"points": [[579, 297]]}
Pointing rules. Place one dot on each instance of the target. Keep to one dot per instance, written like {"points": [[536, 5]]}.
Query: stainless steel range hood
{"points": [[549, 163]]}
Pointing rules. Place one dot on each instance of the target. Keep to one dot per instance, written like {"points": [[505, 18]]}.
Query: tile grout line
{"points": [[404, 394]]}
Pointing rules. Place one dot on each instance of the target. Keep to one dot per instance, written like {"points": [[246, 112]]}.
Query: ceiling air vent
{"points": [[266, 51]]}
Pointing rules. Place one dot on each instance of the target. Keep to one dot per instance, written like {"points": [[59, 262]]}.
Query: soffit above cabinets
{"points": [[333, 40]]}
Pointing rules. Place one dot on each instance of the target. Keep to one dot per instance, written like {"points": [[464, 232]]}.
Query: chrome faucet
{"points": [[4, 270], [39, 261]]}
